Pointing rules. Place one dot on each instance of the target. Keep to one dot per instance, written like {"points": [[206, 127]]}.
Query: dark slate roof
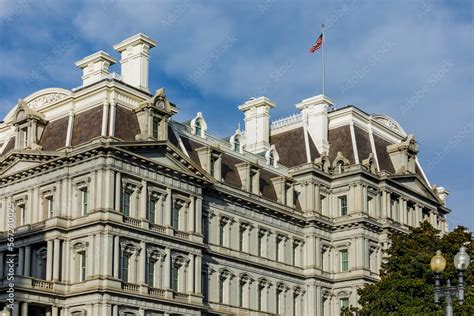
{"points": [[10, 145], [363, 143], [290, 147], [126, 124], [172, 137], [229, 171], [385, 163], [54, 135], [339, 139], [87, 125]]}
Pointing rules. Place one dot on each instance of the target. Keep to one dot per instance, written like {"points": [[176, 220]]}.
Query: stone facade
{"points": [[121, 210]]}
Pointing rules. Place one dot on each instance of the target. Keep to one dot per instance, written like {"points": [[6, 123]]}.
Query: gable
{"points": [[16, 166], [416, 185]]}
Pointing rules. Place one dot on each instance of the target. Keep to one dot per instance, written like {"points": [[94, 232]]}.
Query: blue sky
{"points": [[412, 60]]}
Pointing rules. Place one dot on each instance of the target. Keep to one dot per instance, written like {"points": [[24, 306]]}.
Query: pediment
{"points": [[166, 155], [415, 184], [16, 162], [17, 165]]}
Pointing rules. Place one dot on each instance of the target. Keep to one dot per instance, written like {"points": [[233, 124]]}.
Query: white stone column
{"points": [[105, 114], [57, 258], [49, 260], [168, 208], [54, 311], [197, 275], [198, 215], [113, 109], [118, 191], [142, 213], [318, 252], [384, 204], [116, 256], [24, 309], [67, 259], [115, 310], [27, 269], [21, 261], [192, 213], [142, 264], [167, 270], [190, 276]]}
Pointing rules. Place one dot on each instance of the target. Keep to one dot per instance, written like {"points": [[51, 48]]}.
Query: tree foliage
{"points": [[407, 283]]}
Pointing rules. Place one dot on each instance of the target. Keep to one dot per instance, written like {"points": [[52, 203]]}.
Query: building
{"points": [[121, 210]]}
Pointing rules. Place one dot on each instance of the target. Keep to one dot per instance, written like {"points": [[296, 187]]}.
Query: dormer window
{"points": [[199, 126], [236, 141], [210, 160], [29, 126], [250, 177], [339, 163], [272, 156], [339, 167]]}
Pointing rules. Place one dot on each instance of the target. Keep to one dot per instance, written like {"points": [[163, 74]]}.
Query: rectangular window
{"points": [[221, 290], [174, 278], [126, 203], [259, 244], [344, 255], [84, 201], [151, 210], [344, 302], [241, 294], [150, 273], [259, 298], [393, 208], [294, 252], [156, 126], [22, 214], [221, 233], [125, 263], [213, 166], [241, 239], [277, 301], [321, 203], [82, 266], [49, 201], [175, 216], [277, 250], [343, 205], [370, 205]]}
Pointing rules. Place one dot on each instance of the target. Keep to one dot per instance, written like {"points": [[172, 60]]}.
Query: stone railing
{"points": [[41, 284], [158, 228], [181, 234], [131, 221], [181, 296], [156, 292], [130, 287], [37, 225], [286, 121]]}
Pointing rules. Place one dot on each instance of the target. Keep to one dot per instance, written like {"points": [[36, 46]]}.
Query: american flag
{"points": [[317, 45]]}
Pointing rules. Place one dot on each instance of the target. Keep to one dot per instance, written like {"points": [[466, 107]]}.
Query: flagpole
{"points": [[322, 56]]}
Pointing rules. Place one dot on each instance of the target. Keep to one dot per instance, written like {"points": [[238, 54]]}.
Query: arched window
{"points": [[339, 167], [272, 156]]}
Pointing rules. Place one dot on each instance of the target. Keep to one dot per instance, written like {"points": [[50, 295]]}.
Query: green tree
{"points": [[407, 283]]}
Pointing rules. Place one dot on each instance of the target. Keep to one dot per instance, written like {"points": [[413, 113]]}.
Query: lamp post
{"points": [[448, 292]]}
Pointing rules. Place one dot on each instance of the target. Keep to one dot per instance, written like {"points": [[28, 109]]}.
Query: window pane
{"points": [[343, 205]]}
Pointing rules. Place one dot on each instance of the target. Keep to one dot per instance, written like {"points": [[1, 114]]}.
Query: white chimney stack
{"points": [[95, 67], [257, 124], [134, 61], [315, 116]]}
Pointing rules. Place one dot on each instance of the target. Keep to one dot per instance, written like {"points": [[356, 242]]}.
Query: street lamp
{"points": [[438, 264]]}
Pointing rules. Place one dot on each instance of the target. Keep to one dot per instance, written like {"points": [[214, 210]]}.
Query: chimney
{"points": [[257, 124], [315, 116], [134, 60], [95, 67]]}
